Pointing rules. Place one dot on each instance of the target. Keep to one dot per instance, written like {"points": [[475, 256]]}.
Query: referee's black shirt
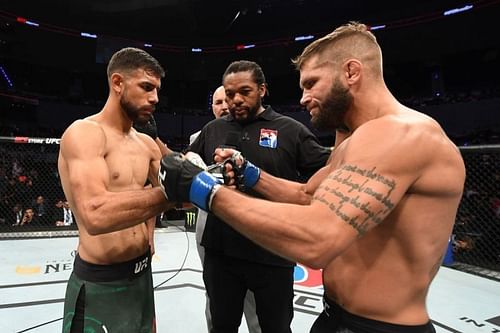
{"points": [[278, 144]]}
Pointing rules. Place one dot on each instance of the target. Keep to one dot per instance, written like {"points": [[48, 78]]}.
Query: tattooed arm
{"points": [[282, 190], [355, 197]]}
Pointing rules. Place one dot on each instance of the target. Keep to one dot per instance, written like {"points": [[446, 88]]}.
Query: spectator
{"points": [[29, 217], [68, 214], [41, 210], [16, 216], [58, 215]]}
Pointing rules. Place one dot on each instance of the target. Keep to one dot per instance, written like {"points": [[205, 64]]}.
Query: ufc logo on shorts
{"points": [[141, 265], [162, 175], [190, 218]]}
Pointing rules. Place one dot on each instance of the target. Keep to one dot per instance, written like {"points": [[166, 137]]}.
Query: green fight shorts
{"points": [[110, 298]]}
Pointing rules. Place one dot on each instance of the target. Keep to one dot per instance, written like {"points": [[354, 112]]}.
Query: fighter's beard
{"points": [[332, 111]]}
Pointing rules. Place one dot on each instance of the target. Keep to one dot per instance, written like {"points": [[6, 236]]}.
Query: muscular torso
{"points": [[385, 274], [128, 161]]}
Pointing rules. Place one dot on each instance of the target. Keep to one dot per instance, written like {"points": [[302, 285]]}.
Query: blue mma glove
{"points": [[246, 174], [203, 189]]}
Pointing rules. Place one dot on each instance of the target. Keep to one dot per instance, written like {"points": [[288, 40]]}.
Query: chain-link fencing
{"points": [[476, 235], [32, 203]]}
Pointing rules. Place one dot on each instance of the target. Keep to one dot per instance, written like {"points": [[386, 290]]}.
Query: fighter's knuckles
{"points": [[228, 167], [223, 153]]}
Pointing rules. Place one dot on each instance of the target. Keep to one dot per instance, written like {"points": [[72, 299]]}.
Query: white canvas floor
{"points": [[33, 275]]}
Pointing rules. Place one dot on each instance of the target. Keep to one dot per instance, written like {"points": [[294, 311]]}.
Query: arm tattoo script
{"points": [[354, 196]]}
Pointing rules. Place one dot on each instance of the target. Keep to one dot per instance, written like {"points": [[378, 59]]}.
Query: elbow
{"points": [[94, 229], [304, 198], [316, 259], [320, 255], [92, 220], [316, 262]]}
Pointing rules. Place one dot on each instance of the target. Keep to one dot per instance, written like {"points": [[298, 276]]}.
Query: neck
{"points": [[261, 109], [114, 116], [370, 104]]}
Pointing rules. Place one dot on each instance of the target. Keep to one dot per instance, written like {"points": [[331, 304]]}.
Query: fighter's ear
{"points": [[116, 82], [352, 70]]}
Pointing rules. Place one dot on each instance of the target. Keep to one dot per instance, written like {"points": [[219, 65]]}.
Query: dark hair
{"points": [[131, 58], [246, 66]]}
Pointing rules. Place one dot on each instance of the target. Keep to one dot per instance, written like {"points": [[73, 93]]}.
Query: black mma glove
{"points": [[176, 175], [148, 128], [184, 179]]}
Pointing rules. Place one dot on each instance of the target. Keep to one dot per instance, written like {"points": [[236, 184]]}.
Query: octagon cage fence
{"points": [[32, 202]]}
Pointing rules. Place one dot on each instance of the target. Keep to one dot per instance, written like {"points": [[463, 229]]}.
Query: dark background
{"points": [[446, 66]]}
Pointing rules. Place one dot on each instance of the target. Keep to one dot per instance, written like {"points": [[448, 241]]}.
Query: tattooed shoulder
{"points": [[364, 189]]}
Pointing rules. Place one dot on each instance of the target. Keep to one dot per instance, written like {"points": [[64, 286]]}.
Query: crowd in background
{"points": [[30, 191], [31, 194]]}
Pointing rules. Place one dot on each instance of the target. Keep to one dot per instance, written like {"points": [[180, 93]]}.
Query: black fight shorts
{"points": [[335, 319]]}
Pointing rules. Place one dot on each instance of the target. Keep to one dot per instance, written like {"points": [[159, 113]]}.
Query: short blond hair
{"points": [[351, 40]]}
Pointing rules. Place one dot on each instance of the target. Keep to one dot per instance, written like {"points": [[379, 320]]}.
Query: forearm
{"points": [[113, 211], [292, 231], [282, 190]]}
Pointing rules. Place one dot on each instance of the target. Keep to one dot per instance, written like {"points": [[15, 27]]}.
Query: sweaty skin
{"points": [[377, 217], [104, 164]]}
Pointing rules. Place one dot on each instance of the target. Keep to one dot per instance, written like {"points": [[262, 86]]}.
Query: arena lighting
{"points": [[395, 24], [377, 27], [243, 47], [300, 38], [196, 49], [458, 10], [86, 34], [148, 45], [6, 77], [25, 21]]}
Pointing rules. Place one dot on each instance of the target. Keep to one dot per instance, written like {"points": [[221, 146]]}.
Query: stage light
{"points": [[87, 35], [25, 21], [243, 47], [6, 77], [457, 10], [300, 38]]}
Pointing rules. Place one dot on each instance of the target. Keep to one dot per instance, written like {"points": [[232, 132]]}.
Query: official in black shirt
{"points": [[282, 147]]}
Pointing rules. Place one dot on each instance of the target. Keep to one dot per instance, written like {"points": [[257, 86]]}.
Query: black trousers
{"points": [[227, 280]]}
